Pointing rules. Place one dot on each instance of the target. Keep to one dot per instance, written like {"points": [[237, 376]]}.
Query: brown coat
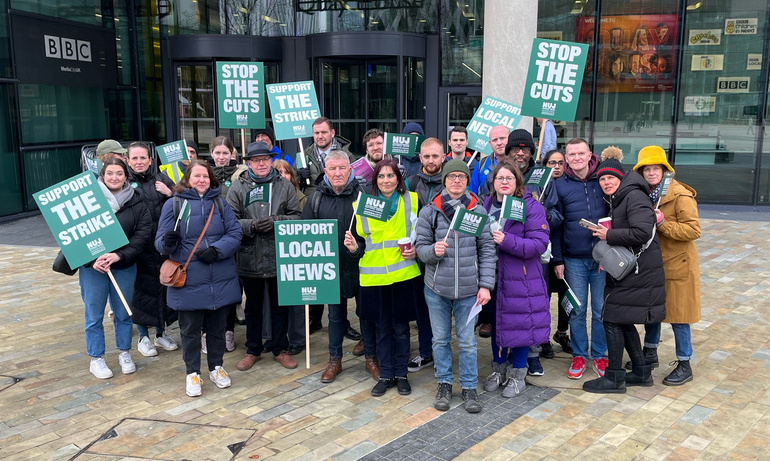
{"points": [[678, 233]]}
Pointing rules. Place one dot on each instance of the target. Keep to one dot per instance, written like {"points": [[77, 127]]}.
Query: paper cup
{"points": [[404, 244], [606, 222]]}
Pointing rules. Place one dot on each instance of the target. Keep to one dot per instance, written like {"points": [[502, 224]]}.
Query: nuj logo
{"points": [[309, 290], [472, 220], [373, 203], [549, 108], [94, 244]]}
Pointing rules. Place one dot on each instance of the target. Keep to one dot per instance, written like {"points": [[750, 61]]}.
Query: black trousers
{"points": [[190, 324], [620, 336], [279, 315]]}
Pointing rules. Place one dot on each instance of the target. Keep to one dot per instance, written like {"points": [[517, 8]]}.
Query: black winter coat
{"points": [[135, 220], [340, 207], [640, 297], [149, 304]]}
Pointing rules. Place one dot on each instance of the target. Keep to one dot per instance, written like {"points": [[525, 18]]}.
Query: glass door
{"points": [[457, 106], [196, 103]]}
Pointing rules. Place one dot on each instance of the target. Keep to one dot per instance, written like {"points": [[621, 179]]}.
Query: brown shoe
{"points": [[286, 360], [358, 349], [485, 330], [332, 370], [373, 367], [248, 362]]}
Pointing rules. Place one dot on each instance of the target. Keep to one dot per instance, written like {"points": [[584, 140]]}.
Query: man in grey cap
{"points": [[256, 256], [110, 147]]}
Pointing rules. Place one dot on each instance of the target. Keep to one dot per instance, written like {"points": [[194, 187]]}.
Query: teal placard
{"points": [[373, 207], [307, 261], [405, 145], [80, 219], [490, 113], [172, 152], [554, 78], [294, 108], [538, 176], [468, 222], [260, 193], [240, 90], [513, 208]]}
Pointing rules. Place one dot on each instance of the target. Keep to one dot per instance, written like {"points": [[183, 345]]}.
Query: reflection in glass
{"points": [[462, 42], [10, 185], [195, 102]]}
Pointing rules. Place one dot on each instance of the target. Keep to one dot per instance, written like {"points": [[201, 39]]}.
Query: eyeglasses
{"points": [[261, 159], [554, 163], [505, 179], [456, 177], [516, 150]]}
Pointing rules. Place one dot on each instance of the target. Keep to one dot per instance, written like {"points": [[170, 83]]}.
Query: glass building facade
{"points": [[688, 75]]}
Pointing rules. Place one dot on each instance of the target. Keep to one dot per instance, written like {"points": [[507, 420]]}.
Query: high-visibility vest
{"points": [[174, 171], [382, 263]]}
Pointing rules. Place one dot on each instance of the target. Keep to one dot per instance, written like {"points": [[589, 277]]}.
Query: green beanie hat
{"points": [[455, 165]]}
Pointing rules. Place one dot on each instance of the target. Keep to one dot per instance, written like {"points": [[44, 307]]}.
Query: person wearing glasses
{"points": [[459, 274]]}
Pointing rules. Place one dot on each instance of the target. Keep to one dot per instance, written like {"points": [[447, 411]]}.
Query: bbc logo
{"points": [[733, 85], [67, 48]]}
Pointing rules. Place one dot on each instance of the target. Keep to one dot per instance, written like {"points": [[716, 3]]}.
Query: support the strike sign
{"points": [[240, 90], [294, 107]]}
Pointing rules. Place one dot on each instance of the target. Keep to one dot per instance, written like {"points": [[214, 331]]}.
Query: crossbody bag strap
{"points": [[649, 242], [200, 237]]}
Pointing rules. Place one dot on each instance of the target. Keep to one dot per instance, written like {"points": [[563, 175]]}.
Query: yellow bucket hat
{"points": [[652, 155]]}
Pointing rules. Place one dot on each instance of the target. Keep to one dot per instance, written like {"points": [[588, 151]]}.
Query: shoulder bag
{"points": [[618, 261], [172, 273]]}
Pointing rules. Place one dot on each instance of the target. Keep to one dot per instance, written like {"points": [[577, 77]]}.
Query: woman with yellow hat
{"points": [[678, 228]]}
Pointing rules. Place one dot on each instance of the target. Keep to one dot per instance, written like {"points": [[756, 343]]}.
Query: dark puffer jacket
{"points": [[256, 255], [208, 286], [135, 220], [332, 205], [640, 297], [425, 186], [149, 304]]}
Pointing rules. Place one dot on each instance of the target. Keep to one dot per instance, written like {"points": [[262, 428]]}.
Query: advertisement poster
{"points": [[754, 61], [699, 105], [636, 52], [240, 94], [743, 26], [707, 62], [705, 37]]}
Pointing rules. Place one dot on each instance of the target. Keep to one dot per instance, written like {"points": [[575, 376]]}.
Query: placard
{"points": [[172, 152], [307, 262], [260, 193], [538, 176], [490, 113], [513, 208], [405, 145], [240, 90], [80, 219], [373, 207], [294, 108], [468, 222]]}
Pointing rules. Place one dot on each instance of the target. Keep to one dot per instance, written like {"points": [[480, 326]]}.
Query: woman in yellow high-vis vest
{"points": [[390, 278]]}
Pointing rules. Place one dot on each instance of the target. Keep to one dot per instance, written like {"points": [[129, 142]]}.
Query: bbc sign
{"points": [[67, 48], [733, 84]]}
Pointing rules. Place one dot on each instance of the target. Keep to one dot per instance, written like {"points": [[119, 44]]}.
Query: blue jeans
{"points": [[143, 331], [441, 310], [96, 288], [338, 314], [682, 338], [582, 273]]}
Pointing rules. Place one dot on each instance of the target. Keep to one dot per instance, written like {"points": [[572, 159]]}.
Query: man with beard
{"points": [[325, 140], [374, 143]]}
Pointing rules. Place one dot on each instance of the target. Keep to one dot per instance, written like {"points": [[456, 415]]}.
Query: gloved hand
{"points": [[303, 175], [208, 256], [171, 239], [265, 224]]}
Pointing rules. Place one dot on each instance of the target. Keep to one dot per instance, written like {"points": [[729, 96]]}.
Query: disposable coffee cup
{"points": [[404, 244], [606, 222]]}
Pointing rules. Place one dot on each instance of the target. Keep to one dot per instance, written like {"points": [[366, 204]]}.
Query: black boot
{"points": [[640, 376], [650, 357], [613, 382], [681, 374]]}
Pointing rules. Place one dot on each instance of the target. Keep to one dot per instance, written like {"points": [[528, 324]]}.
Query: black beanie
{"points": [[266, 130], [520, 138], [191, 143], [611, 157]]}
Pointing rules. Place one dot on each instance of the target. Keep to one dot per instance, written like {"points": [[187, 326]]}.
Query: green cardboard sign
{"points": [[665, 184], [373, 207], [406, 145], [240, 90], [172, 152], [554, 78], [538, 176], [307, 260], [260, 193], [468, 222], [294, 108], [513, 208], [490, 113], [80, 219]]}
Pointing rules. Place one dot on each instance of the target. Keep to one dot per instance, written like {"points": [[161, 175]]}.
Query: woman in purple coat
{"points": [[521, 316]]}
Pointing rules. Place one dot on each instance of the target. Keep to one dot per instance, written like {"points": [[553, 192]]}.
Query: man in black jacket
{"points": [[333, 199]]}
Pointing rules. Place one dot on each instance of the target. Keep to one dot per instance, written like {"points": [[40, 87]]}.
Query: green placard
{"points": [[665, 184], [538, 176], [570, 301], [80, 219], [468, 222], [554, 78], [294, 108], [406, 145], [307, 262], [172, 152], [490, 113], [240, 89], [373, 207], [260, 193], [513, 208]]}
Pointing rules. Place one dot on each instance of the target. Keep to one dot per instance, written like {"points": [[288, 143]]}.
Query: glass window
{"points": [[10, 177], [5, 43], [52, 114], [196, 102], [266, 18], [87, 11], [462, 42], [60, 164], [414, 90]]}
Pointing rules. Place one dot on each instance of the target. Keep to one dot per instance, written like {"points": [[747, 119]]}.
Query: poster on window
{"points": [[636, 52]]}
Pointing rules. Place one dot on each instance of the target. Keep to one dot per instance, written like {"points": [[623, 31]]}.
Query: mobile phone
{"points": [[587, 224]]}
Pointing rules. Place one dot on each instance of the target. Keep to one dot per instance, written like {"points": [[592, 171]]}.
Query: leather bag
{"points": [[61, 265], [174, 274]]}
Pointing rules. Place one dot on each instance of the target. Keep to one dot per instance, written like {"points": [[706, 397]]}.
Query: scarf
{"points": [[655, 194], [116, 200], [265, 179], [393, 202], [449, 205]]}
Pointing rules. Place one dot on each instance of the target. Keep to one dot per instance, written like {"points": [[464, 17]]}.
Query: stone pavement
{"points": [[53, 408]]}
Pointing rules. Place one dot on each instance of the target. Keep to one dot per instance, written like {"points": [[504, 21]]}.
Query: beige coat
{"points": [[678, 233]]}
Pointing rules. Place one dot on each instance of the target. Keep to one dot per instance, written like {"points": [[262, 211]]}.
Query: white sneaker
{"points": [[203, 344], [193, 387], [99, 368], [146, 348], [229, 341], [166, 342], [126, 364], [220, 377]]}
